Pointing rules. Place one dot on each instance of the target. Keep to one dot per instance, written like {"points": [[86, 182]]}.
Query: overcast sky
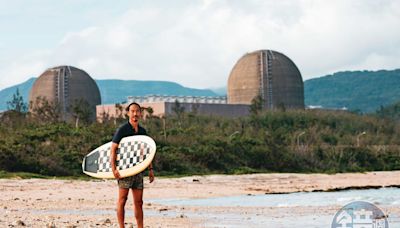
{"points": [[194, 43]]}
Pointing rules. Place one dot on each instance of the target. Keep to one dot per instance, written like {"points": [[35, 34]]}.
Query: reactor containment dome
{"points": [[270, 74], [64, 85]]}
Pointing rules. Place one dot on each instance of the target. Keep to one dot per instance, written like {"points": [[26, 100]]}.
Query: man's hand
{"points": [[151, 175], [116, 174]]}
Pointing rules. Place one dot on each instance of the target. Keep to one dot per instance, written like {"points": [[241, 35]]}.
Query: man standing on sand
{"points": [[135, 183]]}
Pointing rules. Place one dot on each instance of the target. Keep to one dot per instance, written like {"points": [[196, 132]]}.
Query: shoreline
{"points": [[82, 203]]}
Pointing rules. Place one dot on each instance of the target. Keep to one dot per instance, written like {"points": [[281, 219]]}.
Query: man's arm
{"points": [[114, 147]]}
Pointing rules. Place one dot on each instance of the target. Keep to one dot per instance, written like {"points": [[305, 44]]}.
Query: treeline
{"points": [[279, 141], [389, 112]]}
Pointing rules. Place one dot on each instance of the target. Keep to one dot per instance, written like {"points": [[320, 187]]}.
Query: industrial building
{"points": [[164, 106], [267, 73], [64, 85], [270, 74]]}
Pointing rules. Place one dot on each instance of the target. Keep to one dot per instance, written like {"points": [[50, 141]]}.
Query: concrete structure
{"points": [[181, 99], [267, 73], [64, 85], [166, 108]]}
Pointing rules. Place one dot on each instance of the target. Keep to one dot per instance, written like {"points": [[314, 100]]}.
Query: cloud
{"points": [[340, 35], [197, 43]]}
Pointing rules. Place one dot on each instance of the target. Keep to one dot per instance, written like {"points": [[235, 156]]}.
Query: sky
{"points": [[195, 43]]}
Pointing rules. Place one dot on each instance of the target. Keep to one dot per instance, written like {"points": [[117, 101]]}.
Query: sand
{"points": [[76, 203]]}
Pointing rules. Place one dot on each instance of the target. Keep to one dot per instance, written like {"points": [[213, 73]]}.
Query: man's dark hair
{"points": [[133, 103]]}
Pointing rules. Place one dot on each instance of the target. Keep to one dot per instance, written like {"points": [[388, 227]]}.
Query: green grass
{"points": [[21, 175], [26, 175]]}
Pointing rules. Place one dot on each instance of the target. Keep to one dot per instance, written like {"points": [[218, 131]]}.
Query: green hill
{"points": [[365, 91], [115, 91]]}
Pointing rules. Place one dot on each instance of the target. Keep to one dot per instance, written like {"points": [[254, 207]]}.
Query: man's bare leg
{"points": [[138, 202], [122, 197]]}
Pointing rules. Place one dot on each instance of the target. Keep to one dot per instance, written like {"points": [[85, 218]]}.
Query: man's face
{"points": [[134, 113]]}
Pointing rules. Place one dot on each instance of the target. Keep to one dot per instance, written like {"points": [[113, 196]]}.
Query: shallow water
{"points": [[314, 209], [383, 196], [288, 210]]}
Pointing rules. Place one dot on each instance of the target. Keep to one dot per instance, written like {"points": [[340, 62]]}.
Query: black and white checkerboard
{"points": [[129, 154], [134, 154]]}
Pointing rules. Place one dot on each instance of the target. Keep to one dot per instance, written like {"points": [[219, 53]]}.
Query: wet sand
{"points": [[74, 203]]}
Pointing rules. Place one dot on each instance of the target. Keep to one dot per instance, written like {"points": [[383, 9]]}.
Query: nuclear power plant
{"points": [[266, 73], [64, 85], [270, 74]]}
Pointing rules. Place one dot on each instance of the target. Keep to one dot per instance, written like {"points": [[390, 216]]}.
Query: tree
{"points": [[281, 107], [178, 109], [104, 117], [150, 111], [256, 105], [81, 111], [45, 111], [195, 108], [119, 111], [17, 103]]}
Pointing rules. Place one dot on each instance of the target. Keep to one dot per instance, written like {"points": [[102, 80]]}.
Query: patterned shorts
{"points": [[135, 182]]}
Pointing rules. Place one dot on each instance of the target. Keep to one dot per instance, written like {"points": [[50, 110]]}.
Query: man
{"points": [[135, 183]]}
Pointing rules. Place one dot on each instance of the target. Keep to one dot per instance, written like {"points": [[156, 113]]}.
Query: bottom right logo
{"points": [[360, 214]]}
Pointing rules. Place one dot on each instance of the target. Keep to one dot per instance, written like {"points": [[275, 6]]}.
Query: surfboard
{"points": [[134, 154]]}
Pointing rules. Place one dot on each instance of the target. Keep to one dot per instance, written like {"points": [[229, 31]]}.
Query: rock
{"points": [[107, 221], [163, 209], [16, 198], [51, 225], [19, 223], [129, 225]]}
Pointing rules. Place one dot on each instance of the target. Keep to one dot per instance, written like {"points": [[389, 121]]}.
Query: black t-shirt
{"points": [[126, 130]]}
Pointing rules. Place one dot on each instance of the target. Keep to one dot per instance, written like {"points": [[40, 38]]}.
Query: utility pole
{"points": [[165, 132], [358, 137], [298, 138]]}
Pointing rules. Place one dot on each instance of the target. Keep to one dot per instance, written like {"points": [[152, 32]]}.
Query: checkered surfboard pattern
{"points": [[129, 154]]}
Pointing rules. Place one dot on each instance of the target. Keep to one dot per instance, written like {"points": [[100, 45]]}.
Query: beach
{"points": [[81, 203]]}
